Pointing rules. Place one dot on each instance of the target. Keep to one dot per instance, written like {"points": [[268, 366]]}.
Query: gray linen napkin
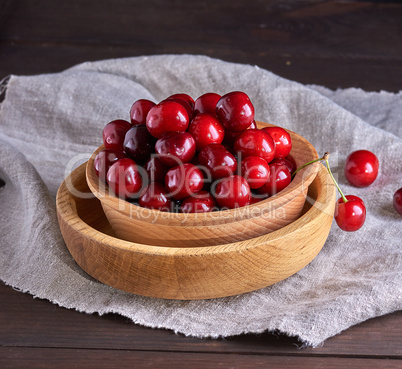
{"points": [[49, 123]]}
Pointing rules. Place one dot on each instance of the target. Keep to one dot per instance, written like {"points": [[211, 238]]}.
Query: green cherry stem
{"points": [[324, 158]]}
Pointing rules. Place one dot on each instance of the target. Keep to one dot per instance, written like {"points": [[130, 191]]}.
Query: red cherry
{"points": [[155, 169], [155, 197], [282, 139], [230, 137], [206, 103], [139, 111], [139, 144], [289, 162], [361, 168], [174, 148], [255, 142], [202, 202], [279, 178], [218, 161], [104, 160], [350, 215], [184, 97], [165, 117], [398, 201], [235, 111], [206, 129], [113, 134], [124, 178], [183, 181], [231, 192], [255, 170]]}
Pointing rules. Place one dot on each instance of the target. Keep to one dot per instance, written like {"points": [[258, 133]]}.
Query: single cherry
{"points": [[232, 192], [183, 181], [282, 139], [397, 201], [139, 111], [361, 168], [235, 111], [155, 197], [217, 161], [174, 148], [104, 160], [288, 162], [139, 144], [255, 170], [279, 179], [165, 117], [155, 169], [206, 103], [230, 137], [206, 129], [124, 178], [184, 97], [350, 215], [255, 142], [113, 134], [202, 202]]}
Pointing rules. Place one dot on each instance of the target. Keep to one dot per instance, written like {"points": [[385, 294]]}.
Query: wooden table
{"points": [[332, 43]]}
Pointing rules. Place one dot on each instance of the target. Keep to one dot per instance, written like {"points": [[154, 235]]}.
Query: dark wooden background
{"points": [[337, 44]]}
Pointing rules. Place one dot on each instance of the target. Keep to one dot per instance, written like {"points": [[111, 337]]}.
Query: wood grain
{"points": [[152, 227], [191, 273], [28, 322]]}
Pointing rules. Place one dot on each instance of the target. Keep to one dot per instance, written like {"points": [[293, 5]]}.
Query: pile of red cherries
{"points": [[194, 156], [208, 154]]}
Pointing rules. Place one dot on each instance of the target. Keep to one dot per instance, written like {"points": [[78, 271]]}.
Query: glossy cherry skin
{"points": [[230, 137], [165, 117], [279, 179], [288, 161], [255, 171], [124, 178], [350, 215], [139, 144], [155, 169], [235, 111], [217, 161], [282, 139], [155, 197], [174, 148], [183, 181], [104, 160], [255, 142], [202, 202], [206, 129], [184, 97], [397, 201], [232, 192], [114, 133], [206, 103], [139, 111], [361, 168]]}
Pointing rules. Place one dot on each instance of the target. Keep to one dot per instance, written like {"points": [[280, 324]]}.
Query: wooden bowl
{"points": [[152, 227], [195, 272]]}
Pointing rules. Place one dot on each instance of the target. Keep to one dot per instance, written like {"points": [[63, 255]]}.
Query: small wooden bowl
{"points": [[195, 272], [152, 227]]}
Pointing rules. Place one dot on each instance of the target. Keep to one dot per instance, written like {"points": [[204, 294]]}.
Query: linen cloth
{"points": [[50, 123]]}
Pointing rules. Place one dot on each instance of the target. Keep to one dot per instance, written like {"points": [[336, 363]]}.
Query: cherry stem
{"points": [[324, 158]]}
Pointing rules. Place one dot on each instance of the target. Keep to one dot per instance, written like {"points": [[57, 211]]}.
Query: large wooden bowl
{"points": [[195, 272], [152, 227]]}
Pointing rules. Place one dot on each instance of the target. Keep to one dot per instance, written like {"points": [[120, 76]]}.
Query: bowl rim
{"points": [[319, 207], [299, 183]]}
